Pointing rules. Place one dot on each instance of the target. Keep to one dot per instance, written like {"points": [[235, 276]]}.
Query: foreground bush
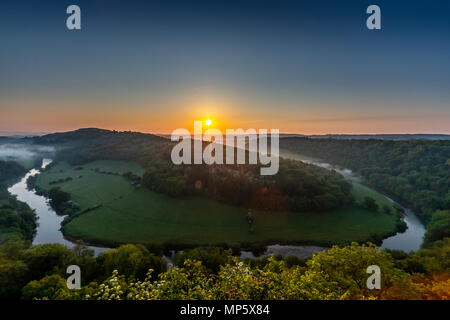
{"points": [[205, 274], [339, 273]]}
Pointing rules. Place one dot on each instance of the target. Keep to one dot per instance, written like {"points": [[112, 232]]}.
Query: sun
{"points": [[208, 122]]}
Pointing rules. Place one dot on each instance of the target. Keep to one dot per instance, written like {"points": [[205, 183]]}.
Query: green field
{"points": [[131, 215]]}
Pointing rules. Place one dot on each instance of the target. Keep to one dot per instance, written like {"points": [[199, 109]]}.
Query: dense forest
{"points": [[416, 172], [134, 272], [10, 171], [17, 220], [296, 187]]}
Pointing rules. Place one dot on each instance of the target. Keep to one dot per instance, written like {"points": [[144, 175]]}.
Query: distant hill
{"points": [[374, 136], [9, 140], [362, 136], [89, 132], [18, 134], [89, 144], [91, 135]]}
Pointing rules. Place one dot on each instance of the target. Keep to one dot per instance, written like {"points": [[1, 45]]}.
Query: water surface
{"points": [[49, 223]]}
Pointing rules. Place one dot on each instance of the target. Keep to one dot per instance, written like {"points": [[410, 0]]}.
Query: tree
{"points": [[58, 196], [13, 276], [347, 267], [439, 227], [212, 257], [50, 287], [47, 259], [130, 260], [370, 204], [387, 209]]}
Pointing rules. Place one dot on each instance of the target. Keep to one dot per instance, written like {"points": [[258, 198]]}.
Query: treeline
{"points": [[132, 272], [297, 186], [60, 201], [10, 172], [439, 227], [21, 263], [17, 220]]}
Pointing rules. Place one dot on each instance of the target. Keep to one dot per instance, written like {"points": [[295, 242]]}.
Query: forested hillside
{"points": [[17, 220], [85, 145], [297, 186], [415, 171], [10, 171]]}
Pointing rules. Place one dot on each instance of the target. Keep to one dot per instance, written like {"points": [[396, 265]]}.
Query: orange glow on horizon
{"points": [[164, 116]]}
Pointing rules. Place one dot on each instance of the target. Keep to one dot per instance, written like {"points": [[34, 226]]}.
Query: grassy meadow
{"points": [[134, 215]]}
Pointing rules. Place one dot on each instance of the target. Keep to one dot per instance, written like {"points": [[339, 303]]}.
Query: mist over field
{"points": [[25, 154]]}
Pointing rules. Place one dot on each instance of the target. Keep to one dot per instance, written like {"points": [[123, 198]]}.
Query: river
{"points": [[411, 239], [49, 223]]}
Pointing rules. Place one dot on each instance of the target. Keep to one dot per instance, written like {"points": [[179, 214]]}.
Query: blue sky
{"points": [[299, 66]]}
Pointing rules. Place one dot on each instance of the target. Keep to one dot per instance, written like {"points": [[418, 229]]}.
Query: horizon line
{"points": [[8, 133]]}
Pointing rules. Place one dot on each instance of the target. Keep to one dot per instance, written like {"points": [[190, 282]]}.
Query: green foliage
{"points": [[347, 267], [49, 287], [164, 177], [13, 276], [296, 187], [415, 171], [370, 204], [130, 260], [47, 259], [438, 228], [17, 220], [10, 172], [58, 198], [87, 145], [292, 261], [54, 287], [434, 259], [47, 265], [337, 273], [387, 209], [211, 257]]}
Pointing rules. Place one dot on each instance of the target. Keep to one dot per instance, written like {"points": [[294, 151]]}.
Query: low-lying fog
{"points": [[24, 153]]}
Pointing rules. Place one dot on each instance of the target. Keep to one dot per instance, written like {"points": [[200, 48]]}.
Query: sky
{"points": [[309, 67]]}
